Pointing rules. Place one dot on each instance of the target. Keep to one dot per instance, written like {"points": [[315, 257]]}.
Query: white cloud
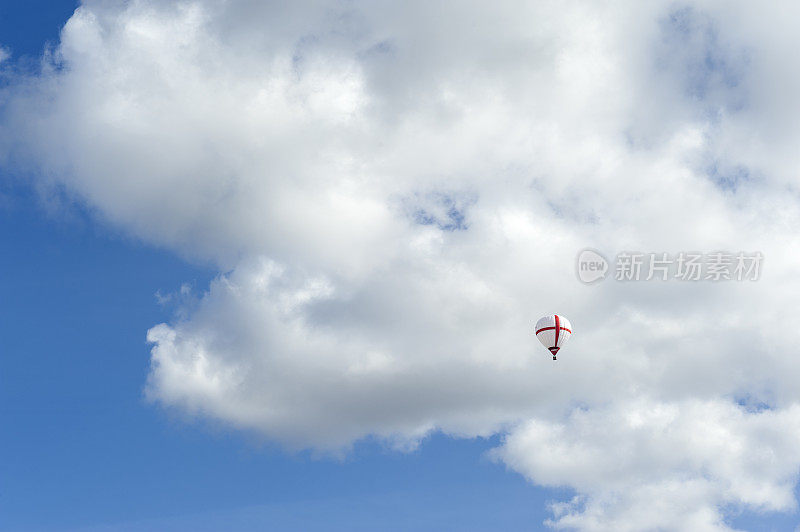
{"points": [[674, 464], [395, 194]]}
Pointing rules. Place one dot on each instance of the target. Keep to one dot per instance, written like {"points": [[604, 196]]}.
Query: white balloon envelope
{"points": [[553, 331]]}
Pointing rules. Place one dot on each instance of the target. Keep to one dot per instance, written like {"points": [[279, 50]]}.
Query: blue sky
{"points": [[81, 449], [365, 240]]}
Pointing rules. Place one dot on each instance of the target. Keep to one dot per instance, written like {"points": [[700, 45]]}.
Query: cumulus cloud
{"points": [[683, 461], [393, 194]]}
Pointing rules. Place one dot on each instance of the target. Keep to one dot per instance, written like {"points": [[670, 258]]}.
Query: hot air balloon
{"points": [[553, 331]]}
